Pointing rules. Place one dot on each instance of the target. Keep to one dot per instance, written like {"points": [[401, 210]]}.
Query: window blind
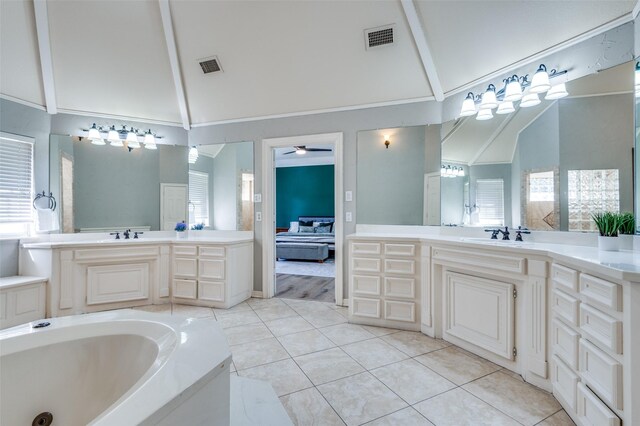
{"points": [[16, 185], [490, 201], [199, 197]]}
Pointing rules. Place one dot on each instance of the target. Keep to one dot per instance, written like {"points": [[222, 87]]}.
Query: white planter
{"points": [[181, 235], [608, 243], [626, 241]]}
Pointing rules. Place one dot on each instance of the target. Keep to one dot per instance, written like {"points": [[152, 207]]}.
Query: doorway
{"points": [[334, 140]]}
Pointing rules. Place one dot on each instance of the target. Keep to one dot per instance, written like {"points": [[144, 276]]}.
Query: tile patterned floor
{"points": [[329, 372]]}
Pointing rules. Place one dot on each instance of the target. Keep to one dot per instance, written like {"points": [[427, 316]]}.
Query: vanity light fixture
{"points": [[118, 138], [94, 133], [114, 137], [513, 92], [132, 140], [149, 140], [193, 155], [452, 172], [386, 141]]}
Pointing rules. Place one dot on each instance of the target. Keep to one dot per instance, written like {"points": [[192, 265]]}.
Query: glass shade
{"points": [[193, 155], [98, 141], [132, 140], [505, 108], [468, 107], [513, 91], [301, 151], [149, 139], [94, 133], [150, 146], [556, 92], [484, 114], [489, 100], [529, 100], [540, 82]]}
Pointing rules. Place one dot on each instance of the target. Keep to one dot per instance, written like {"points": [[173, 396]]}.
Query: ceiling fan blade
{"points": [[290, 152], [319, 149]]}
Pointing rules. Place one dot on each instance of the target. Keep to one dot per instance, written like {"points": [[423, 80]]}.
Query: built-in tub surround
{"points": [[96, 272], [560, 315], [166, 367]]}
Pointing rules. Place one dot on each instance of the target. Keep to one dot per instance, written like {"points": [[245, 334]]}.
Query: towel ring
{"points": [[52, 200]]}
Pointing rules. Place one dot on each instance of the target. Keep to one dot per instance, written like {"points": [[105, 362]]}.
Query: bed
{"points": [[307, 243]]}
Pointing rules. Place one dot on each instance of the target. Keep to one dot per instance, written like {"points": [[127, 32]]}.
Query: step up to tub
{"points": [[254, 402]]}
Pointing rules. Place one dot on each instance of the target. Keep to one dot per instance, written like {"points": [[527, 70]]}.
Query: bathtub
{"points": [[115, 368]]}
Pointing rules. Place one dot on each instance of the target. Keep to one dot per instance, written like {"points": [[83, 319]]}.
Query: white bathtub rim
{"points": [[190, 352]]}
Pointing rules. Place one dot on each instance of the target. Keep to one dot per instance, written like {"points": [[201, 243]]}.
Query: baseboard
{"points": [[345, 302], [256, 294]]}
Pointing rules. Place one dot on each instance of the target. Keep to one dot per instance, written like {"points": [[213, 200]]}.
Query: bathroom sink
{"points": [[489, 241]]}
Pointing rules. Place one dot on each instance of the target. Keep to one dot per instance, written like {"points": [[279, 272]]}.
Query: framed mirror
{"points": [[221, 179], [548, 167]]}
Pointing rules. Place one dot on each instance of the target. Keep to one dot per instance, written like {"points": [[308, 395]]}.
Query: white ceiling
{"points": [[310, 158], [279, 57]]}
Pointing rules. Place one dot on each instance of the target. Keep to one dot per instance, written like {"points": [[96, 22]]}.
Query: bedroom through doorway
{"points": [[305, 262]]}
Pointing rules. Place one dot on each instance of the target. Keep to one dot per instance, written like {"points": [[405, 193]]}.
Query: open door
{"points": [[173, 205]]}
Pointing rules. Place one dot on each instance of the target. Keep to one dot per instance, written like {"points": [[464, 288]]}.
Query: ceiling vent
{"points": [[378, 37], [210, 65]]}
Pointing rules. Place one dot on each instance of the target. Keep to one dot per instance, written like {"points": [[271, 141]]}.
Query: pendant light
{"points": [[132, 140], [513, 91], [193, 155], [505, 108], [540, 82], [484, 114], [529, 100], [149, 140], [489, 100], [468, 106], [556, 92]]}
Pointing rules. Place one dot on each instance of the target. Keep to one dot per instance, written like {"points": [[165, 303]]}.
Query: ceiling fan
{"points": [[302, 149]]}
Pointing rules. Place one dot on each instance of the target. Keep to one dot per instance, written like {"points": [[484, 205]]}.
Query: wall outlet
{"points": [[257, 198], [348, 196], [349, 217], [258, 216]]}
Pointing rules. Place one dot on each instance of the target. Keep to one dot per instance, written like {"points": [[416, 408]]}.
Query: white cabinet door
{"points": [[117, 283], [481, 312]]}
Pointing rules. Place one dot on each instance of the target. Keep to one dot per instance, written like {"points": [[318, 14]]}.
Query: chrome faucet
{"points": [[521, 231], [494, 233], [117, 234], [126, 234]]}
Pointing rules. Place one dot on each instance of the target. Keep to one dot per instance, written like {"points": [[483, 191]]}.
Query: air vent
{"points": [[210, 65], [378, 37]]}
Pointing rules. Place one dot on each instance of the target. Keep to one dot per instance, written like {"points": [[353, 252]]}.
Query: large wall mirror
{"points": [[101, 188], [548, 167], [221, 180]]}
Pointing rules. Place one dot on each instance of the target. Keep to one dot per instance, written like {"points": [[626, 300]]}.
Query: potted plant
{"points": [[627, 230], [181, 230], [608, 224], [197, 227]]}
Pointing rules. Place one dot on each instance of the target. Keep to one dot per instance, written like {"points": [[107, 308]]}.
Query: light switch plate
{"points": [[257, 198], [348, 217], [258, 216], [348, 196]]}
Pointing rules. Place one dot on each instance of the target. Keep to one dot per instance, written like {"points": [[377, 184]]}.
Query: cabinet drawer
{"points": [[184, 250], [360, 248], [591, 411], [564, 277], [366, 285], [359, 264], [402, 267], [400, 287], [565, 342], [600, 292], [369, 308], [185, 267], [407, 250], [212, 269], [565, 383], [602, 373], [400, 311], [185, 289], [211, 251], [211, 290], [601, 328], [565, 306]]}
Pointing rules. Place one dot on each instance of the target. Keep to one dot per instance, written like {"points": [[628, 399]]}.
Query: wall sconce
{"points": [[386, 141]]}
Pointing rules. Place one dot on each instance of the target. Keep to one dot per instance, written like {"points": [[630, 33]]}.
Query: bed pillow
{"points": [[308, 229], [294, 226], [323, 228], [306, 223]]}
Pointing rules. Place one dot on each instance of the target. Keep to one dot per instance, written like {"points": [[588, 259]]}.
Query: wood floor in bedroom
{"points": [[305, 287]]}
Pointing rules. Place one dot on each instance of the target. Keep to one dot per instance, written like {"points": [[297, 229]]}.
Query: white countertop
{"points": [[17, 281]]}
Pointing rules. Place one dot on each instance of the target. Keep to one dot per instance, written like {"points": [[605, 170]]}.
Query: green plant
{"points": [[608, 223], [627, 223]]}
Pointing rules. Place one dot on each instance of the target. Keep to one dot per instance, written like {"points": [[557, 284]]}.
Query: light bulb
{"points": [[484, 114], [513, 91], [94, 134], [301, 151], [505, 108], [113, 137], [540, 82], [132, 140], [468, 106], [556, 92], [529, 100], [489, 100], [461, 171], [193, 155], [97, 141]]}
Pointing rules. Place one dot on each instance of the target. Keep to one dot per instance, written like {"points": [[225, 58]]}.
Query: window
{"points": [[16, 185], [198, 198], [591, 191], [541, 186], [490, 201]]}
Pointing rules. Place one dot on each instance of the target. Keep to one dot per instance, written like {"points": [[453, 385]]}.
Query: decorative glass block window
{"points": [[198, 198], [16, 185], [591, 191], [541, 186], [490, 201]]}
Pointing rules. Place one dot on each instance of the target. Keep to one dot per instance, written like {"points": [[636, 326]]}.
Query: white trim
{"points": [[22, 102], [317, 111], [19, 138], [256, 294], [636, 10], [592, 95], [167, 26], [44, 47], [541, 55], [268, 206], [118, 117], [461, 122], [420, 38], [493, 137]]}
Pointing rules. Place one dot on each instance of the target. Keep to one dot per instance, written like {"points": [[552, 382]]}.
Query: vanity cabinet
{"points": [[384, 283], [588, 363], [22, 299], [214, 275]]}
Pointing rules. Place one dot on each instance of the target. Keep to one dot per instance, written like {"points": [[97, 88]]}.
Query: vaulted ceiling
{"points": [[278, 57]]}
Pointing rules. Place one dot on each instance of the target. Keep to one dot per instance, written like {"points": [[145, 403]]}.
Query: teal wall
{"points": [[303, 191]]}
